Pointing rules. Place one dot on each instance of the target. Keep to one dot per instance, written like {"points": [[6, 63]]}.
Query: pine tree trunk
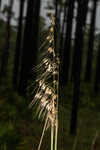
{"points": [[67, 43], [62, 39], [77, 60], [30, 48], [84, 15], [97, 75], [5, 55], [63, 30], [0, 3], [18, 45], [88, 73]]}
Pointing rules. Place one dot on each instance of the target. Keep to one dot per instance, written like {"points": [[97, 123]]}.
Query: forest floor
{"points": [[21, 130]]}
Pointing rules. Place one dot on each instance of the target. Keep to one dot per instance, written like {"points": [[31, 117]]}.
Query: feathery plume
{"points": [[47, 91]]}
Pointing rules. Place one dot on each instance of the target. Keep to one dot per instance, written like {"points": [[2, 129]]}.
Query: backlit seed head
{"points": [[48, 91], [49, 107], [49, 69], [43, 104], [45, 60], [47, 64], [54, 97], [54, 81], [50, 49], [40, 82], [54, 111], [55, 72], [48, 38], [51, 29], [38, 95], [43, 87], [51, 41], [43, 99]]}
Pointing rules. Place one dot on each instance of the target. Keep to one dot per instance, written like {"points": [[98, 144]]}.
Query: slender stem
{"points": [[55, 87], [52, 136], [56, 134], [42, 133]]}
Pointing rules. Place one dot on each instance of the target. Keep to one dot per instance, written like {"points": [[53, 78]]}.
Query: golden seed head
{"points": [[38, 95], [49, 69], [51, 29], [50, 49], [43, 104], [54, 97], [45, 60], [54, 81], [43, 87], [48, 91], [40, 82], [51, 41], [43, 99], [55, 72], [48, 38]]}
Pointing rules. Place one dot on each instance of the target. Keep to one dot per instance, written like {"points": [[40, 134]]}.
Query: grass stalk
{"points": [[43, 133], [56, 134], [52, 137]]}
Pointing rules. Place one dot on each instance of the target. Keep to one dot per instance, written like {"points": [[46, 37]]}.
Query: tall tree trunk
{"points": [[5, 55], [62, 38], [63, 27], [29, 51], [56, 8], [97, 75], [59, 15], [77, 60], [0, 3], [91, 44], [18, 45], [84, 16], [67, 43]]}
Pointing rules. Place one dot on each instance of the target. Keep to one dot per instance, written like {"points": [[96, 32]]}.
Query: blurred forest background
{"points": [[78, 45]]}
